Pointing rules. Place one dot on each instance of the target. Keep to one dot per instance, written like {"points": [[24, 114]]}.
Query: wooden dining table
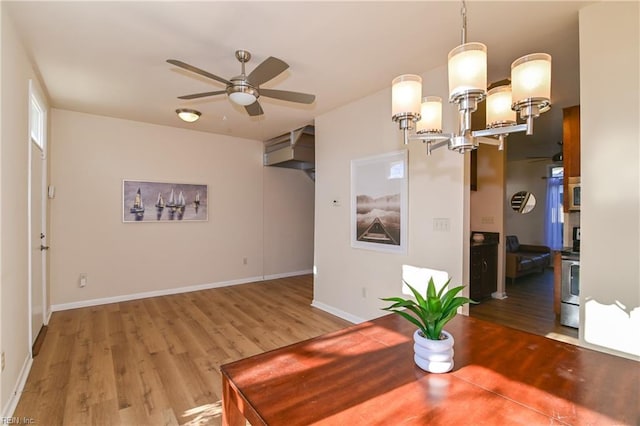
{"points": [[365, 375]]}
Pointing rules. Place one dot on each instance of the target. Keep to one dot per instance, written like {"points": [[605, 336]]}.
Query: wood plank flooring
{"points": [[156, 361], [528, 307]]}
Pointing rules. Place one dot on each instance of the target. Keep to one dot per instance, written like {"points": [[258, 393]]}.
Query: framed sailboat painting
{"points": [[144, 201], [379, 202]]}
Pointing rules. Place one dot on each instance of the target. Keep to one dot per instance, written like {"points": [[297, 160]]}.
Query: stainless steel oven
{"points": [[570, 293]]}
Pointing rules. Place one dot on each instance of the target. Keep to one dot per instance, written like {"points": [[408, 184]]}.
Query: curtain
{"points": [[553, 216]]}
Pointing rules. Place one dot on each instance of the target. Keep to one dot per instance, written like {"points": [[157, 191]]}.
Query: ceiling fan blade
{"points": [[285, 95], [268, 69], [202, 95], [254, 109], [198, 71]]}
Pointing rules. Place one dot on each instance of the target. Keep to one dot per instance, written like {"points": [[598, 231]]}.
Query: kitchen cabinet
{"points": [[484, 268], [570, 148]]}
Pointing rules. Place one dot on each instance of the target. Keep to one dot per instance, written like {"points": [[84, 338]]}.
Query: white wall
{"points": [[349, 281], [288, 221], [487, 203], [89, 157], [14, 255], [526, 175], [92, 154], [610, 160]]}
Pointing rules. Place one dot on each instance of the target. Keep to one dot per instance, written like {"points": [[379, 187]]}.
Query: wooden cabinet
{"points": [[484, 270], [570, 147]]}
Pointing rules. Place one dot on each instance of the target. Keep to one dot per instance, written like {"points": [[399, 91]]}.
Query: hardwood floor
{"points": [[156, 361], [528, 307]]}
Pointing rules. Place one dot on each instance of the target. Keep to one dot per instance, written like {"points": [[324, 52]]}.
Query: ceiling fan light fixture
{"points": [[242, 98], [242, 94], [188, 115]]}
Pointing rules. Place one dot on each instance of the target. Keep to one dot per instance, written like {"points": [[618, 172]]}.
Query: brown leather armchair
{"points": [[525, 258]]}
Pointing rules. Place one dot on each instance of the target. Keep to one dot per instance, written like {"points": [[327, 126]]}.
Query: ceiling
{"points": [[109, 58]]}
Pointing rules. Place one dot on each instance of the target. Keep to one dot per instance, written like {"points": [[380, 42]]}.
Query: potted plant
{"points": [[433, 346]]}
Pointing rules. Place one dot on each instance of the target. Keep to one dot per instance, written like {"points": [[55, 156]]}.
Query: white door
{"points": [[37, 214], [37, 275]]}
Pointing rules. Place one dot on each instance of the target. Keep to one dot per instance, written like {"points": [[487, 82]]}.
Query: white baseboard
{"points": [[12, 403], [155, 293], [170, 291], [337, 312], [499, 295], [47, 318], [287, 274]]}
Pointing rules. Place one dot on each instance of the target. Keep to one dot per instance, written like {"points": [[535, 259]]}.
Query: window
{"points": [[554, 217], [36, 119]]}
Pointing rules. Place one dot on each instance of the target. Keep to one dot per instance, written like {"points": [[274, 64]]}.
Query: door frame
{"points": [[35, 93]]}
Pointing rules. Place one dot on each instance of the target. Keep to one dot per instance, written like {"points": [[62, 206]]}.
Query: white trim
{"points": [[499, 295], [288, 274], [155, 293], [337, 312], [12, 402], [169, 291]]}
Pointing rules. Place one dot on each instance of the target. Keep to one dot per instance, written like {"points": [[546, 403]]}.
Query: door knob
{"points": [[43, 247]]}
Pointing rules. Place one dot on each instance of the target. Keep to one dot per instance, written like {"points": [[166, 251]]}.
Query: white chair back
{"points": [[418, 278]]}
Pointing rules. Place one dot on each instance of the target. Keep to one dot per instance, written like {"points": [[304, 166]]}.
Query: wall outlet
{"points": [[2, 361], [364, 292], [83, 280], [245, 261]]}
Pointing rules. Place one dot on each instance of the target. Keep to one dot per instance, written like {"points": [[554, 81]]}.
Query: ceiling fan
{"points": [[244, 90], [556, 158]]}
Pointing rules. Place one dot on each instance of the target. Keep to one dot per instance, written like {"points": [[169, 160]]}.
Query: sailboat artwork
{"points": [[177, 202], [159, 206], [138, 206], [160, 202], [196, 202], [181, 206], [171, 205]]}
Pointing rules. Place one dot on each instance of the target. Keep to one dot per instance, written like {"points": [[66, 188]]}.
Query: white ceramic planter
{"points": [[434, 356]]}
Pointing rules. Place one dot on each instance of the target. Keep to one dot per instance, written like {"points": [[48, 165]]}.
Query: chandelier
{"points": [[528, 94]]}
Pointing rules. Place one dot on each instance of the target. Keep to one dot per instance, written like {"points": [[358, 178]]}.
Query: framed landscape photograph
{"points": [[144, 201], [379, 202]]}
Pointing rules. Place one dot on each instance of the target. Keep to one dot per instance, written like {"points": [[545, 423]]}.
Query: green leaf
{"points": [[450, 294], [417, 295], [431, 289], [443, 287], [411, 319]]}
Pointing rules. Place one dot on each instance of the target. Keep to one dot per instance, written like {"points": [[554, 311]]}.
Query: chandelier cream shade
{"points": [[529, 95]]}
